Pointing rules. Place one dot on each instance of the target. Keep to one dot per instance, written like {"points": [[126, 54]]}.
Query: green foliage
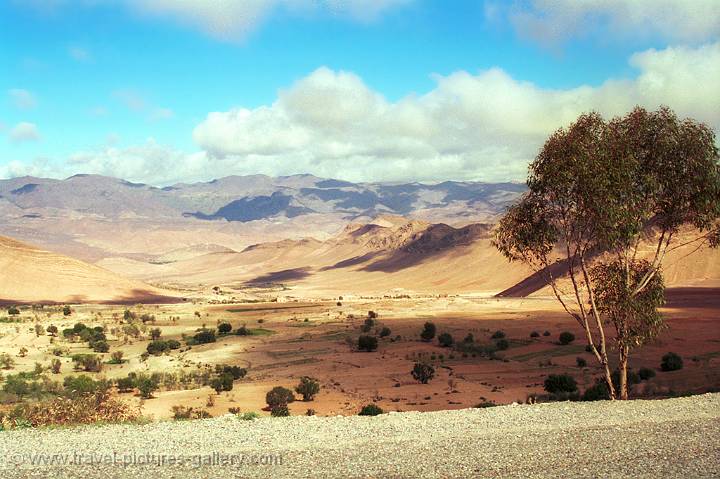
{"points": [[469, 338], [423, 372], [83, 385], [203, 336], [66, 310], [224, 328], [566, 337], [13, 311], [646, 373], [581, 362], [146, 385], [560, 383], [502, 344], [385, 332], [598, 392], [235, 371], [129, 315], [428, 332], [125, 384], [371, 410], [249, 416], [445, 340], [99, 346], [534, 334], [224, 382], [87, 362], [308, 388], [162, 345], [281, 410], [116, 357], [155, 334], [367, 325], [485, 404], [279, 396], [671, 362], [6, 361], [498, 335], [367, 343], [52, 330]]}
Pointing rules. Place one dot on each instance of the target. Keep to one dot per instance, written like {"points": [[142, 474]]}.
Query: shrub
{"points": [[423, 372], [126, 384], [83, 385], [498, 335], [13, 311], [86, 409], [87, 362], [385, 332], [671, 362], [367, 325], [428, 332], [445, 340], [560, 383], [52, 330], [6, 361], [161, 345], [581, 362], [224, 382], [310, 412], [279, 396], [250, 416], [146, 385], [55, 365], [372, 315], [308, 387], [597, 392], [242, 331], [155, 334], [147, 318], [116, 357], [534, 334], [224, 328], [182, 413], [502, 344], [280, 410], [235, 371], [566, 337], [632, 377], [204, 336], [367, 343], [469, 338], [546, 333], [485, 404], [646, 373], [371, 410], [99, 346], [66, 310]]}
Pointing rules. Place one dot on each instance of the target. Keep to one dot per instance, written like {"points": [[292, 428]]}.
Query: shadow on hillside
{"points": [[293, 274], [135, 297]]}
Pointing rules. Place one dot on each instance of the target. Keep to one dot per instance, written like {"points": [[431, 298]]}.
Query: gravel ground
{"points": [[673, 437]]}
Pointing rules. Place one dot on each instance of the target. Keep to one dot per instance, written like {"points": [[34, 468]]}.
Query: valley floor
{"points": [[660, 438]]}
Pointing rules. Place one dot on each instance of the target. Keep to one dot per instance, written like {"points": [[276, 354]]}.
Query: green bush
{"points": [[560, 383], [13, 311], [598, 392], [250, 416], [66, 310], [546, 333], [203, 336], [99, 346], [566, 337], [223, 382], [581, 362], [280, 410], [83, 385], [279, 396], [371, 410], [385, 332], [125, 385], [423, 372], [534, 334], [485, 404], [367, 325], [146, 385], [162, 345], [445, 340], [367, 343], [646, 373], [498, 335], [224, 328], [502, 344], [87, 362], [308, 388], [469, 338], [428, 332], [671, 362], [235, 371]]}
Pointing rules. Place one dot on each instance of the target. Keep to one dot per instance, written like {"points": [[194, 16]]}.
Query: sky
{"points": [[167, 91]]}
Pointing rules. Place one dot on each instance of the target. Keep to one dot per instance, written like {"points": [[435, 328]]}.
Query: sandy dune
{"points": [[30, 274]]}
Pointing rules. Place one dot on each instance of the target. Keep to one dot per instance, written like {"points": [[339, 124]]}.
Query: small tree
{"points": [[671, 362], [308, 387], [147, 386], [52, 330], [560, 383], [13, 311], [445, 340], [385, 332], [39, 330], [116, 357], [224, 328], [155, 334], [55, 365], [367, 343], [223, 382], [423, 372], [370, 410], [428, 332], [566, 338], [600, 192], [279, 396], [66, 310]]}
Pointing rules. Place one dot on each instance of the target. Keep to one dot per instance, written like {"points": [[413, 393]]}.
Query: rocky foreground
{"points": [[664, 438]]}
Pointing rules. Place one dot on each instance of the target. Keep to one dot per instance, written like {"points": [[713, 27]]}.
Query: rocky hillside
{"points": [[661, 438]]}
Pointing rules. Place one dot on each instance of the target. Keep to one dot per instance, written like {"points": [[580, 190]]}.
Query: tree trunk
{"points": [[608, 379], [624, 350]]}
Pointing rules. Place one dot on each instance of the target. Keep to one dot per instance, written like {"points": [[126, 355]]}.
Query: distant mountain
{"points": [[252, 198]]}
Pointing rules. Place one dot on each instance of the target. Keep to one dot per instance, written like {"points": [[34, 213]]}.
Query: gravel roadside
{"points": [[664, 438]]}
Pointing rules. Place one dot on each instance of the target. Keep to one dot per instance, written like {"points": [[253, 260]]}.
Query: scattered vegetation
{"points": [[371, 410], [566, 337], [423, 372], [428, 332], [308, 388], [671, 362], [367, 343]]}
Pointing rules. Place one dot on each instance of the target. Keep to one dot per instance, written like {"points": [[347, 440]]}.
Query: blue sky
{"points": [[160, 91]]}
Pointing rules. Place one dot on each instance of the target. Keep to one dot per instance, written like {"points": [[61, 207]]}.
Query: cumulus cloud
{"points": [[234, 20], [484, 126], [552, 21], [24, 132], [22, 99]]}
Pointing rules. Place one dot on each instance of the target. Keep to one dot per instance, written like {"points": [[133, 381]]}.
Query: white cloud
{"points": [[22, 99], [24, 132], [131, 99], [485, 126], [234, 20], [551, 21]]}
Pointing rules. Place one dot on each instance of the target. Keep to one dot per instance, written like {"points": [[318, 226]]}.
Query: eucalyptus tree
{"points": [[599, 192]]}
